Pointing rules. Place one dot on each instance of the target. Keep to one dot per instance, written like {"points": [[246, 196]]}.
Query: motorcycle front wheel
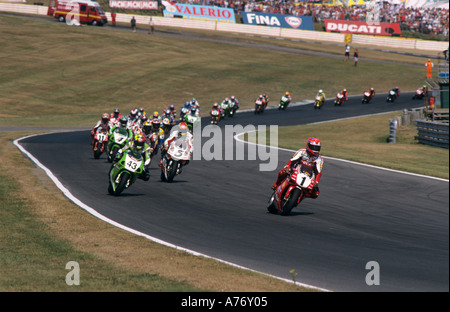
{"points": [[122, 184], [289, 203], [271, 205], [98, 152]]}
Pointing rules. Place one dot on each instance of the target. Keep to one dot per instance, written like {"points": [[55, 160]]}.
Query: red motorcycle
{"points": [[291, 191], [340, 98], [259, 106], [100, 142], [420, 93], [367, 96]]}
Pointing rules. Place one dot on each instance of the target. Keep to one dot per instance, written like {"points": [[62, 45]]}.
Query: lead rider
{"points": [[310, 160]]}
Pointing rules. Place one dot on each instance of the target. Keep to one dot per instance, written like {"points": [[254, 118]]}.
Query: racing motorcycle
{"points": [[178, 154], [191, 120], [284, 102], [118, 138], [231, 108], [391, 96], [124, 172], [420, 93], [367, 96], [291, 191], [318, 103], [100, 142], [154, 143], [234, 106], [259, 106], [225, 107], [339, 99], [183, 112], [215, 116]]}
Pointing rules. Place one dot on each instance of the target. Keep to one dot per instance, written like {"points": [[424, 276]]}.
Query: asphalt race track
{"points": [[218, 208]]}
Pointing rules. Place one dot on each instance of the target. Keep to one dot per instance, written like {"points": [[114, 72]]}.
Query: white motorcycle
{"points": [[177, 156]]}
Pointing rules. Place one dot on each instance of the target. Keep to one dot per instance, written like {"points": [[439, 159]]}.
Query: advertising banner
{"points": [[134, 5], [366, 28], [278, 20], [198, 12]]}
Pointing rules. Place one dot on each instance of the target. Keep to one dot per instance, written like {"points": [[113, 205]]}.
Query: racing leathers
{"points": [[145, 152], [174, 135], [309, 163]]}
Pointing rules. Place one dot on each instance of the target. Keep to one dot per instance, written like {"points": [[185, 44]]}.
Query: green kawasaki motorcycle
{"points": [[124, 172], [117, 140]]}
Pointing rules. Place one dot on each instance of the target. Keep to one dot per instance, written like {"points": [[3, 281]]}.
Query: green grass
{"points": [[32, 259], [57, 75]]}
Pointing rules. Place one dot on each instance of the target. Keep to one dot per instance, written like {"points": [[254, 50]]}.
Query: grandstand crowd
{"points": [[424, 20]]}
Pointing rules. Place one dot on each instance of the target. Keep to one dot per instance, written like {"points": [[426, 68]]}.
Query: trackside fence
{"points": [[432, 133], [252, 29]]}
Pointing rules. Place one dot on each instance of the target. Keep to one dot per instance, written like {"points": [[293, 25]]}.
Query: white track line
{"points": [[236, 137], [92, 211]]}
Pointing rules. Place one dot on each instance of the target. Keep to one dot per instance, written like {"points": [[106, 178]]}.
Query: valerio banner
{"points": [[354, 27], [199, 12], [278, 20]]}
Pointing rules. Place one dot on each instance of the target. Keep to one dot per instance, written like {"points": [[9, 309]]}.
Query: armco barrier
{"points": [[252, 29], [432, 133]]}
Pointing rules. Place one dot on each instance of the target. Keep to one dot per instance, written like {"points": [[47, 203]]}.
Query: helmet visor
{"points": [[314, 148]]}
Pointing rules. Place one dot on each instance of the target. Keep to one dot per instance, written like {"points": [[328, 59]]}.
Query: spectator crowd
{"points": [[425, 20]]}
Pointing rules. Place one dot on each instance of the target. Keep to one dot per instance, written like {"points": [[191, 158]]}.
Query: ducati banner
{"points": [[366, 28]]}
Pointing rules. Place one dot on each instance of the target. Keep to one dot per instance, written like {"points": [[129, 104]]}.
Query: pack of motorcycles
{"points": [[130, 166]]}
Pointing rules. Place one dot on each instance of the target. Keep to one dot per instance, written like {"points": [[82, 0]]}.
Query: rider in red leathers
{"points": [[310, 160], [345, 94], [102, 123]]}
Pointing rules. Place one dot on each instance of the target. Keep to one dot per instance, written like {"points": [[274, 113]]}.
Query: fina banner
{"points": [[366, 28], [134, 5], [198, 12], [278, 20]]}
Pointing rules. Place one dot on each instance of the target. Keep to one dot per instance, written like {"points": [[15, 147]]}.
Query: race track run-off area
{"points": [[217, 208]]}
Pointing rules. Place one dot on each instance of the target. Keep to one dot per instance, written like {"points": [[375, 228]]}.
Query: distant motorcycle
{"points": [[117, 140], [420, 93], [100, 142], [259, 106], [231, 108], [392, 95], [184, 111], [215, 116], [191, 120], [284, 102], [178, 154], [319, 101], [340, 98], [367, 96], [291, 191]]}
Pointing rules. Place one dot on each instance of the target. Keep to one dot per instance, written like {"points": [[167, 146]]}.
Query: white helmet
{"points": [[320, 91]]}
